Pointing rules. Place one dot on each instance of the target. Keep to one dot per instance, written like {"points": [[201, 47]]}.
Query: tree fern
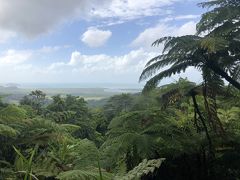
{"points": [[147, 134], [12, 113], [218, 50]]}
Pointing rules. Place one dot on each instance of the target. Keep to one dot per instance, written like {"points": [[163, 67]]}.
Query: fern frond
{"points": [[8, 131], [144, 168], [88, 174], [153, 82], [214, 44]]}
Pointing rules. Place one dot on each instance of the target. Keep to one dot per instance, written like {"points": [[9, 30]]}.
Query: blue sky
{"points": [[88, 41]]}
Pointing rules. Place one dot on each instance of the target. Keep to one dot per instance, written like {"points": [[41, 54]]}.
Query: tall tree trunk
{"points": [[210, 145], [196, 107], [203, 123], [209, 95]]}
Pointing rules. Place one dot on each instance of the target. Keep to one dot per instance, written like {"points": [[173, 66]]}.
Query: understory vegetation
{"points": [[178, 131]]}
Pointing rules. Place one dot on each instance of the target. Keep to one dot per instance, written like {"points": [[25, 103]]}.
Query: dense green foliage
{"points": [[177, 131], [67, 140]]}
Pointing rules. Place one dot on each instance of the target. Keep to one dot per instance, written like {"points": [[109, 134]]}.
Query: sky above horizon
{"points": [[88, 41]]}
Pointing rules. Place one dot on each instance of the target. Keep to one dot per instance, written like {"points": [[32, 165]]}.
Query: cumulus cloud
{"points": [[149, 35], [94, 37], [131, 62], [103, 68]]}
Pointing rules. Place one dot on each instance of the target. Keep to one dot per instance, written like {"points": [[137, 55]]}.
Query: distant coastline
{"points": [[78, 85]]}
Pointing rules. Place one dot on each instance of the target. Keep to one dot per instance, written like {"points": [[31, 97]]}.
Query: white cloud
{"points": [[148, 36], [94, 37], [134, 61], [181, 17], [132, 9], [49, 49], [187, 29], [13, 57], [20, 58]]}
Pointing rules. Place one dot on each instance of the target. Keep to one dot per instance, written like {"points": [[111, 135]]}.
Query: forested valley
{"points": [[177, 131]]}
